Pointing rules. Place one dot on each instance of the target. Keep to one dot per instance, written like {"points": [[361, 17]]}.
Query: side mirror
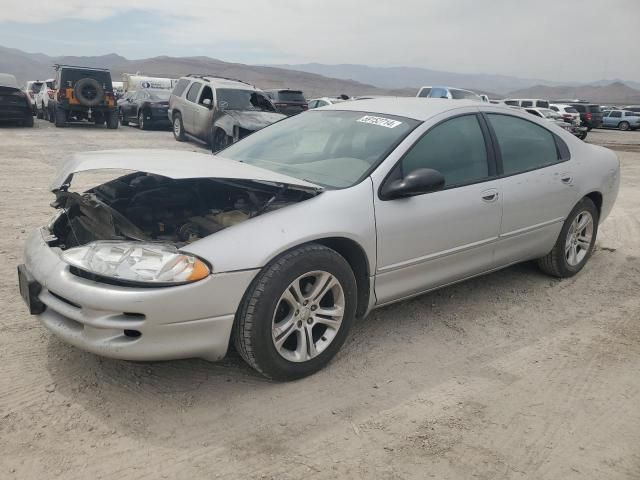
{"points": [[418, 182], [207, 103]]}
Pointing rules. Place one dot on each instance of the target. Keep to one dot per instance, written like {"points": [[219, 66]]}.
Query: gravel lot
{"points": [[511, 376]]}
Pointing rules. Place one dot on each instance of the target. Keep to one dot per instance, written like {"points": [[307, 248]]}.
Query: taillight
{"points": [[51, 93], [588, 116], [305, 107]]}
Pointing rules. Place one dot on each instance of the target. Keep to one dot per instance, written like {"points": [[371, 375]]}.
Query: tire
{"points": [[88, 92], [123, 122], [264, 301], [40, 113], [112, 120], [219, 141], [142, 124], [28, 122], [624, 126], [178, 128], [50, 115], [60, 118], [583, 136], [556, 263]]}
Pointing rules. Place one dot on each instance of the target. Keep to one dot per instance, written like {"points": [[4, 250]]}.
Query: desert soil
{"points": [[510, 376]]}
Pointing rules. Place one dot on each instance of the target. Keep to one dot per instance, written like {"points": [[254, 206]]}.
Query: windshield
{"points": [[35, 87], [162, 95], [235, 99], [330, 148]]}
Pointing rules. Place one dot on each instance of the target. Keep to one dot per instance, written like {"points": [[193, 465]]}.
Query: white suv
{"points": [[527, 102], [568, 112], [47, 91]]}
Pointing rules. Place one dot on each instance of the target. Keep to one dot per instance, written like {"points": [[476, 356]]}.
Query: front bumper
{"points": [[130, 323]]}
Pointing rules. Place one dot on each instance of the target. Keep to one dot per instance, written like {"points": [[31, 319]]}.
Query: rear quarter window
{"points": [[542, 104], [424, 92], [580, 108], [180, 87]]}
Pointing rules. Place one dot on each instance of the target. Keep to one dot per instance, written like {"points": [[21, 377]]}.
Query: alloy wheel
{"points": [[579, 238], [308, 316]]}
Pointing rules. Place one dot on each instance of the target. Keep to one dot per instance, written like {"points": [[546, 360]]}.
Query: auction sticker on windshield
{"points": [[380, 121]]}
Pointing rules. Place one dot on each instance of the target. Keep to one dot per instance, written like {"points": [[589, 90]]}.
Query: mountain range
{"points": [[318, 79]]}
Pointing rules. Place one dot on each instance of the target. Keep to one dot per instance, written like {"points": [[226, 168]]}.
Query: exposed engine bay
{"points": [[149, 207]]}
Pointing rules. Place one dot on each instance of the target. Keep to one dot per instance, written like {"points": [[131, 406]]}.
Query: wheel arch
{"points": [[596, 198], [356, 257]]}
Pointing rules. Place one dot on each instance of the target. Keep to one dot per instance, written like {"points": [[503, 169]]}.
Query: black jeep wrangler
{"points": [[83, 93]]}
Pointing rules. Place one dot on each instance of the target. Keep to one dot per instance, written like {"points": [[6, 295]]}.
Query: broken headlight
{"points": [[138, 262]]}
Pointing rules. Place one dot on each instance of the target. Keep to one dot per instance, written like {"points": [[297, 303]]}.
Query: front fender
{"points": [[346, 213]]}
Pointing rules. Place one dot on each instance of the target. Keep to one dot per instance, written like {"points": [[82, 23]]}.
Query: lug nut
{"points": [[305, 303], [309, 321], [314, 308]]}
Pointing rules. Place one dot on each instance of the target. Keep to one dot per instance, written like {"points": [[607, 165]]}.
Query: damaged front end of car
{"points": [[133, 227]]}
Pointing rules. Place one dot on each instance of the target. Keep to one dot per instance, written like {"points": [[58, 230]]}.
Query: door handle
{"points": [[490, 196], [566, 179]]}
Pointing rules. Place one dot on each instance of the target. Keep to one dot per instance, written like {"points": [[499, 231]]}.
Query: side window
{"points": [[455, 148], [206, 94], [424, 92], [526, 103], [322, 103], [313, 104], [439, 93], [524, 145], [580, 108], [630, 114], [513, 103], [542, 104], [192, 94], [180, 87], [554, 108], [616, 114]]}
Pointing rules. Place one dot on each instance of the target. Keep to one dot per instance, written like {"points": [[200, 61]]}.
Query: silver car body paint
{"points": [[412, 245]]}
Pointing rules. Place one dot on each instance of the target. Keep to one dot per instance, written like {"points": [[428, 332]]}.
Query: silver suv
{"points": [[218, 111]]}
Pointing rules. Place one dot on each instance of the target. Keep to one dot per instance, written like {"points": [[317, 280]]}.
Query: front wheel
{"points": [[575, 243], [220, 140], [142, 123], [297, 313]]}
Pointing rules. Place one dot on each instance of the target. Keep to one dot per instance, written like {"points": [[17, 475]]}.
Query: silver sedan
{"points": [[281, 240]]}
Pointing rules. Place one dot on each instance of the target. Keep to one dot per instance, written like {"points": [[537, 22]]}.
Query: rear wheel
{"points": [[297, 313], [123, 122], [575, 243], [40, 112], [60, 118], [178, 128], [624, 126], [28, 122], [112, 120]]}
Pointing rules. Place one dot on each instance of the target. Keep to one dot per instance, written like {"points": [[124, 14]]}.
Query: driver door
{"points": [[434, 239]]}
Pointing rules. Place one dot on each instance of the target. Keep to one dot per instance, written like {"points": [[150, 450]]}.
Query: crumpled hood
{"points": [[253, 120], [174, 164]]}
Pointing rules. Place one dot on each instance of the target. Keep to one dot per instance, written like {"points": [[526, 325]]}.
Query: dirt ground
{"points": [[510, 376]]}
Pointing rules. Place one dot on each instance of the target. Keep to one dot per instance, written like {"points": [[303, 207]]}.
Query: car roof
{"points": [[221, 82], [410, 107], [8, 80]]}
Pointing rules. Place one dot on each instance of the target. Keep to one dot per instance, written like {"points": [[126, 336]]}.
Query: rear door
{"points": [[614, 119], [437, 238], [190, 106], [536, 185]]}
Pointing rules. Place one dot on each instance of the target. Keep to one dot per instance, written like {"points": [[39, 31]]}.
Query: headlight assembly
{"points": [[152, 263]]}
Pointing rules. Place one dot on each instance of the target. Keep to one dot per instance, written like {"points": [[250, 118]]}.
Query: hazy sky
{"points": [[551, 39]]}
